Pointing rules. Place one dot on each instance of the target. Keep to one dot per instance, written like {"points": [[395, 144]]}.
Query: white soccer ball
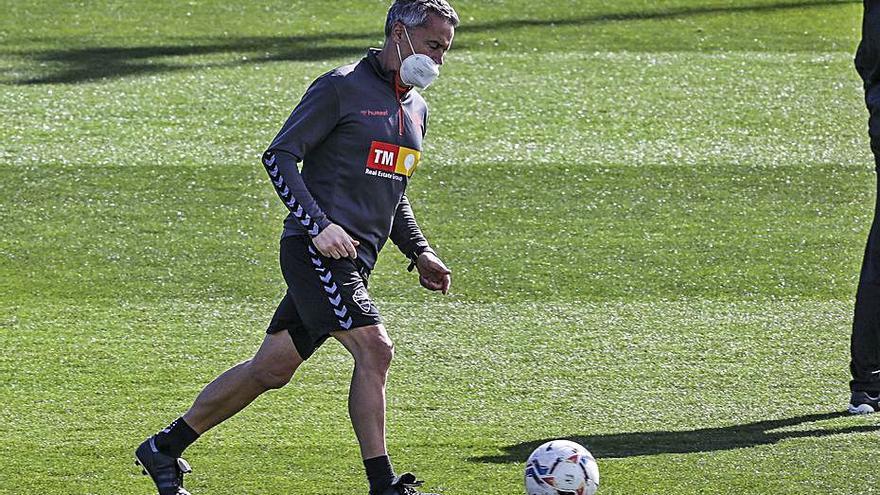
{"points": [[561, 467]]}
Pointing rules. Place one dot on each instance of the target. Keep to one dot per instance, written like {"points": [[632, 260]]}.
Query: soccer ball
{"points": [[561, 467]]}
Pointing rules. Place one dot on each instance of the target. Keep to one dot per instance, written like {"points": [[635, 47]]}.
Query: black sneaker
{"points": [[405, 484], [166, 471], [864, 403]]}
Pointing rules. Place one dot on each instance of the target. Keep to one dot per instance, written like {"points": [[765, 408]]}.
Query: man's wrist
{"points": [[421, 251], [416, 253], [323, 222]]}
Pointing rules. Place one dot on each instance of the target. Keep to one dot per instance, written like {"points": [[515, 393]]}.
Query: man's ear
{"points": [[397, 31]]}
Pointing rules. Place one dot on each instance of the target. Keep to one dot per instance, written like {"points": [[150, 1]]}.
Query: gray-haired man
{"points": [[358, 131]]}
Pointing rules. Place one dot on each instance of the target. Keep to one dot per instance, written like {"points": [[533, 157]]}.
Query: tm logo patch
{"points": [[392, 161]]}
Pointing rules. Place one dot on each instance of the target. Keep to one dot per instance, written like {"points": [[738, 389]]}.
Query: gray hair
{"points": [[414, 13]]}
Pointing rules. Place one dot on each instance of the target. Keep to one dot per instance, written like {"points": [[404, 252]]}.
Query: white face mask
{"points": [[417, 70]]}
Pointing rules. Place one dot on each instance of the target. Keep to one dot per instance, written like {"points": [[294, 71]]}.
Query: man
{"points": [[358, 131], [865, 343]]}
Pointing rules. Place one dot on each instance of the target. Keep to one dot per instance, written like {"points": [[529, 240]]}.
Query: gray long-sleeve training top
{"points": [[359, 136]]}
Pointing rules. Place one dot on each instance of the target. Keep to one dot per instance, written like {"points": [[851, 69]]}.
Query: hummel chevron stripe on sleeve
{"points": [[285, 176]]}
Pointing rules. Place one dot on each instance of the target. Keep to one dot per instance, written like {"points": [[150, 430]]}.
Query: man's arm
{"points": [[310, 122], [330, 239], [408, 237], [284, 174]]}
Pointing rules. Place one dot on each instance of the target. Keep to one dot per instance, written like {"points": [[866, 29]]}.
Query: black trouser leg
{"points": [[865, 342]]}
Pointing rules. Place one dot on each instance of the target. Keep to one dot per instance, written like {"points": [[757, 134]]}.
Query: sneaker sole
{"points": [[861, 409], [138, 463]]}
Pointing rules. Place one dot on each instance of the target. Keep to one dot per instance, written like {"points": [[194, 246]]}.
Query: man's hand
{"points": [[433, 274], [334, 242]]}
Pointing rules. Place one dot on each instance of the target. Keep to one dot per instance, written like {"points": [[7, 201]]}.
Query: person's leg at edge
{"points": [[865, 341], [372, 350], [272, 367]]}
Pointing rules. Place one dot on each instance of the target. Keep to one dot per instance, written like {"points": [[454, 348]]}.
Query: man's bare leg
{"points": [[372, 351], [271, 367]]}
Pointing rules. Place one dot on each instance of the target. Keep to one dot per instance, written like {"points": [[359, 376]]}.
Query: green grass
{"points": [[655, 214]]}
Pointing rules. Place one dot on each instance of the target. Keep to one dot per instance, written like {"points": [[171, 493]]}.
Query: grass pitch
{"points": [[655, 213]]}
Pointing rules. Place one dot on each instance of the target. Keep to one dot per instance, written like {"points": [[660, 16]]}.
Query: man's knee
{"points": [[271, 375], [380, 353], [275, 362], [371, 347]]}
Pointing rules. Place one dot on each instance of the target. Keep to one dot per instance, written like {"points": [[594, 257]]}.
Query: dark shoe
{"points": [[405, 484], [166, 471], [864, 403]]}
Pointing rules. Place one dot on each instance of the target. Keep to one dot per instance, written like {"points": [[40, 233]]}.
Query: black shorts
{"points": [[323, 295]]}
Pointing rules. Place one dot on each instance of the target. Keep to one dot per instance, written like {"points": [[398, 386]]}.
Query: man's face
{"points": [[433, 39]]}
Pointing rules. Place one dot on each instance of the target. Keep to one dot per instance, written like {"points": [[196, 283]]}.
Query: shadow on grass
{"points": [[94, 63], [686, 442], [90, 64], [671, 13]]}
